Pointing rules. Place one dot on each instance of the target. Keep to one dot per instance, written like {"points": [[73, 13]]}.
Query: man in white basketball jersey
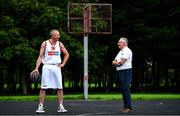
{"points": [[49, 55]]}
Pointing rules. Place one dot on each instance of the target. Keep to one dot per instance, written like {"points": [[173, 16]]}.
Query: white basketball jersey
{"points": [[52, 53]]}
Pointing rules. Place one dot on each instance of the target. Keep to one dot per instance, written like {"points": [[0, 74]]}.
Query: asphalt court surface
{"points": [[87, 107]]}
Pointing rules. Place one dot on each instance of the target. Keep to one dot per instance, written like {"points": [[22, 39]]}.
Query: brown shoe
{"points": [[121, 110], [125, 110]]}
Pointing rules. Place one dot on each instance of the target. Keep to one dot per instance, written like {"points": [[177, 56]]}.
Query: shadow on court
{"points": [[82, 107]]}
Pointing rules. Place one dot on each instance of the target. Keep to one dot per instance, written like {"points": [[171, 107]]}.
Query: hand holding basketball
{"points": [[35, 76]]}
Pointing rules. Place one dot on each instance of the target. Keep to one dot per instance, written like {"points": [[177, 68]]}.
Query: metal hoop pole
{"points": [[85, 66]]}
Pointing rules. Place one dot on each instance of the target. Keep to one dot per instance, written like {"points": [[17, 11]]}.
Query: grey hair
{"points": [[53, 30], [125, 40]]}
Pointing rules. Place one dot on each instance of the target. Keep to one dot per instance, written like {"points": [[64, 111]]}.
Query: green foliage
{"points": [[152, 27], [76, 11], [101, 25], [77, 27]]}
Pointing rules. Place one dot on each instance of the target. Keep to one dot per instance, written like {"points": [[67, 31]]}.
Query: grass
{"points": [[110, 96]]}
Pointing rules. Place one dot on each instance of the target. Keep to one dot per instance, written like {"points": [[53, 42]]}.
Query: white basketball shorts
{"points": [[51, 77]]}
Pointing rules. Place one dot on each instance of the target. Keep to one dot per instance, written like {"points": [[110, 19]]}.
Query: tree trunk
{"points": [[23, 81]]}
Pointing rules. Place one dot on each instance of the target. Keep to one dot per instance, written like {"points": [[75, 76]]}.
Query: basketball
{"points": [[35, 76]]}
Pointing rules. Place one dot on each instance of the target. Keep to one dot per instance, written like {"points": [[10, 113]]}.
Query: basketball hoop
{"points": [[89, 18]]}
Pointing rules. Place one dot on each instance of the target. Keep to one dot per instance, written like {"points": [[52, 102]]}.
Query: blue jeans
{"points": [[125, 78]]}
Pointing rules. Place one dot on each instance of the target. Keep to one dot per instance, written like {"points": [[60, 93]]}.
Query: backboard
{"points": [[89, 18]]}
